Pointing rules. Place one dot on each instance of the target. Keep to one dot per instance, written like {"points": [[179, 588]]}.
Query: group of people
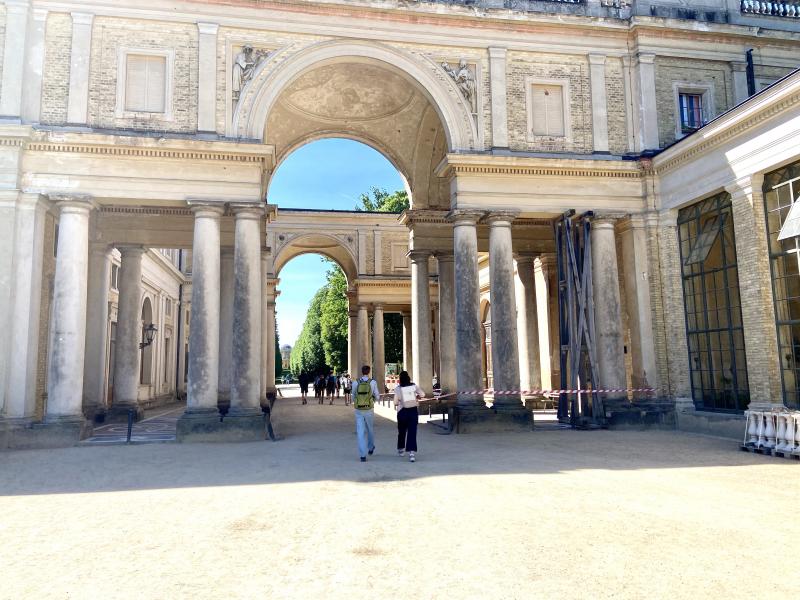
{"points": [[326, 385], [406, 401]]}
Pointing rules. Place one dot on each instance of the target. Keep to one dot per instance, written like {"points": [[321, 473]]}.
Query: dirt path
{"points": [[543, 515]]}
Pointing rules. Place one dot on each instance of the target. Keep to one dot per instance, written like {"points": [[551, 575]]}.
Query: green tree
{"points": [[333, 319], [382, 201], [393, 337], [308, 354]]}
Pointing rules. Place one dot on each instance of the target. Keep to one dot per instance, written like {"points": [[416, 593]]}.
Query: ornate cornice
{"points": [[140, 152], [477, 164]]}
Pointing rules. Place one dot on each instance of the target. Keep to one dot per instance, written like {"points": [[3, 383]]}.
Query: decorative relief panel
{"points": [[246, 59]]}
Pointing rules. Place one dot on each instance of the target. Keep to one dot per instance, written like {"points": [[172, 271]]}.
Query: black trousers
{"points": [[407, 420]]}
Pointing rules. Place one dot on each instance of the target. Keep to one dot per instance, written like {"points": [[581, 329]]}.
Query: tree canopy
{"points": [[380, 200]]}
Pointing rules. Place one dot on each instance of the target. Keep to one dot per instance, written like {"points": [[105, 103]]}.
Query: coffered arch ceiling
{"points": [[372, 104]]}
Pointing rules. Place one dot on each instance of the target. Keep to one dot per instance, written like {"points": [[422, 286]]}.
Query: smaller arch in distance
{"points": [[342, 256]]}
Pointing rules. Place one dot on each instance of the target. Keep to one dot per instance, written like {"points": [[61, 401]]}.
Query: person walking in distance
{"points": [[406, 401], [347, 384], [303, 379], [365, 393]]}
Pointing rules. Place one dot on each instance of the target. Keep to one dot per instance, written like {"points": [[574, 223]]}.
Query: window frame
{"points": [[706, 93], [566, 97], [120, 110]]}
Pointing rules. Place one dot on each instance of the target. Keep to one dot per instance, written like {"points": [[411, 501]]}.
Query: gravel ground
{"points": [[551, 514]]}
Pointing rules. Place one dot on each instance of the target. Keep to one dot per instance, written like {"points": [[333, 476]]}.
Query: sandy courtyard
{"points": [[552, 514]]}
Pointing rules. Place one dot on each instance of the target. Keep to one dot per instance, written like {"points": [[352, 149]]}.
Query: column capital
{"points": [[524, 258], [72, 202], [597, 59], [243, 210], [419, 255], [646, 58], [82, 18], [445, 255], [377, 306], [132, 250], [103, 248], [208, 28], [497, 52], [352, 314], [604, 222], [500, 218], [206, 208], [465, 216]]}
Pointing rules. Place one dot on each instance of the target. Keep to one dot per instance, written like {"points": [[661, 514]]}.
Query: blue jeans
{"points": [[364, 424]]}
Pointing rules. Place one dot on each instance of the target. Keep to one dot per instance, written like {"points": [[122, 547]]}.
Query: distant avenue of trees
{"points": [[322, 344]]}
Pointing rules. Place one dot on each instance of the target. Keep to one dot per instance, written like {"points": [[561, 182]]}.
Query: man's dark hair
{"points": [[365, 370]]}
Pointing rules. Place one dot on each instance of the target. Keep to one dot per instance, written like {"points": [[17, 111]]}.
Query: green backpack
{"points": [[363, 399]]}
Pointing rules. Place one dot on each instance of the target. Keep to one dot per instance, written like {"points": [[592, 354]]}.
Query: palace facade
{"points": [[602, 195]]}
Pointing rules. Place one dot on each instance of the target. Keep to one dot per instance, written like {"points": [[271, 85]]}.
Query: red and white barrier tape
{"points": [[543, 392]]}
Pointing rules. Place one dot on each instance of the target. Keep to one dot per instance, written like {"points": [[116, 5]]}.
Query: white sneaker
{"points": [[400, 452], [411, 457]]}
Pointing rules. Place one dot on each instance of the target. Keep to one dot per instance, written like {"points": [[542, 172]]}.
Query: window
{"points": [[168, 307], [691, 112], [548, 110], [144, 83], [781, 195], [114, 277], [145, 89], [714, 331]]}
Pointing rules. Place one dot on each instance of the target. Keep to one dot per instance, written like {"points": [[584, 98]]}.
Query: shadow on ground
{"points": [[318, 444]]}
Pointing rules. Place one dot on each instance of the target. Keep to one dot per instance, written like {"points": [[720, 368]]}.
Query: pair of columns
{"points": [[247, 324], [360, 351]]}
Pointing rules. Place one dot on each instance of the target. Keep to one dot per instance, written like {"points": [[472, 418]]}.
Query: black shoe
{"points": [[371, 451], [363, 459]]}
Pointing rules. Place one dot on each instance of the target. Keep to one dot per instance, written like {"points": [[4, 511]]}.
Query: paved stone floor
{"points": [[549, 514], [158, 426]]}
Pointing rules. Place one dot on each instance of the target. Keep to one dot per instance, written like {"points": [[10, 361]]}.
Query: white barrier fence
{"points": [[773, 432]]}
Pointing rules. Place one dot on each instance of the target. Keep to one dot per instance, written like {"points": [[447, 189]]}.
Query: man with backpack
{"points": [[365, 393]]}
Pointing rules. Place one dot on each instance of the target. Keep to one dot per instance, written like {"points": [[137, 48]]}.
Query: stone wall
{"points": [[55, 82], [670, 71], [522, 65], [110, 35]]}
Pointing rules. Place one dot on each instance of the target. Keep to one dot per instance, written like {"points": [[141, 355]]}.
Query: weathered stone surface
{"points": [[210, 427], [503, 419], [57, 433]]}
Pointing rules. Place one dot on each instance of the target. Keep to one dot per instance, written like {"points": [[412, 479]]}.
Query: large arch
{"points": [[279, 71]]}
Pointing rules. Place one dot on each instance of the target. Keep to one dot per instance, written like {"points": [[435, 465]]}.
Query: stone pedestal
{"points": [[56, 432], [212, 427], [476, 419]]}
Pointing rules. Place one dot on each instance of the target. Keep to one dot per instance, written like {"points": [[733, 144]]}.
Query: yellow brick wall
{"points": [[522, 65], [55, 75], [617, 103], [671, 70], [109, 35]]}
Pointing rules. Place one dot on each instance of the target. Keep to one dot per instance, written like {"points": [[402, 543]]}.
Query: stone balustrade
{"points": [[771, 9]]}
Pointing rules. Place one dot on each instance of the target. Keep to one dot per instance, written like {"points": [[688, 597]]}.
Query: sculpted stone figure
{"points": [[244, 65], [464, 79]]}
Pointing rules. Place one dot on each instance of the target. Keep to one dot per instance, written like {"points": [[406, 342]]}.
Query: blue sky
{"points": [[329, 174]]}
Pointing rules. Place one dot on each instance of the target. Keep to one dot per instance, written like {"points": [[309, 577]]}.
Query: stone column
{"points": [[80, 57], [758, 309], [408, 353], [447, 322], [740, 90], [207, 77], [16, 29], [435, 338], [378, 357], [352, 343], [543, 324], [505, 345], [468, 322], [363, 338], [247, 332], [269, 350], [648, 108], [527, 325], [203, 377], [497, 82], [68, 314], [636, 273], [94, 371], [34, 66], [225, 328], [421, 320], [129, 335], [26, 302], [550, 273], [607, 312]]}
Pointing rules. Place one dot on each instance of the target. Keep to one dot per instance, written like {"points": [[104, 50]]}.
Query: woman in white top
{"points": [[406, 396]]}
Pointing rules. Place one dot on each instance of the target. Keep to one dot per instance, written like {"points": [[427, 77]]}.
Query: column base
{"points": [[118, 413], [56, 432], [210, 426], [479, 419]]}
